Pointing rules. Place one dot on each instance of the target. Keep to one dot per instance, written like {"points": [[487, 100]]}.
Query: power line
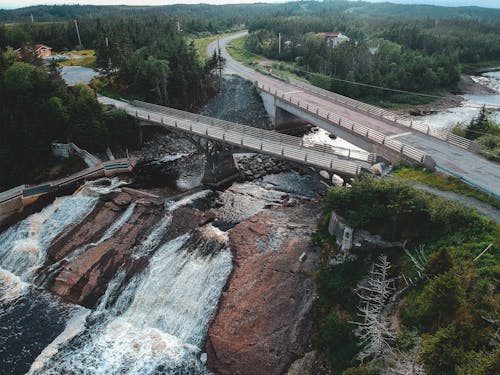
{"points": [[290, 68]]}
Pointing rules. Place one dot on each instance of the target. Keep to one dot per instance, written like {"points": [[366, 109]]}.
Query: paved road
{"points": [[451, 159]]}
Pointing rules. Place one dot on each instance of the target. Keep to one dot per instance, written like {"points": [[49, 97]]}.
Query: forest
{"points": [[38, 108], [140, 57], [446, 313], [408, 54]]}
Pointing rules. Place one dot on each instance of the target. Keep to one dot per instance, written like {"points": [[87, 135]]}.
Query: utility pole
{"points": [[219, 63], [279, 43], [78, 33], [32, 20], [178, 26]]}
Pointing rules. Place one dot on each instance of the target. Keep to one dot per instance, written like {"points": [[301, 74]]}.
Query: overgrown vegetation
{"points": [[445, 183], [448, 309], [85, 58], [484, 131], [237, 49], [37, 108]]}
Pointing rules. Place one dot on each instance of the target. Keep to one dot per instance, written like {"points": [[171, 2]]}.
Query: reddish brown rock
{"points": [[87, 270], [264, 315], [84, 270]]}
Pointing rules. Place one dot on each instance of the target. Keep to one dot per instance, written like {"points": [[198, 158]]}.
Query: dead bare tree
{"points": [[373, 330], [405, 363]]}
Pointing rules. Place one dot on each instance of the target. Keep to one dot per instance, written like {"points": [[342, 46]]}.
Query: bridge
{"points": [[13, 201], [368, 127], [344, 162]]}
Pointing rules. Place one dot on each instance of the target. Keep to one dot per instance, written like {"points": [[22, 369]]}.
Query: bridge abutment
{"points": [[280, 118]]}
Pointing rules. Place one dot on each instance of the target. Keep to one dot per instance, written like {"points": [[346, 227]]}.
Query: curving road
{"points": [[451, 159]]}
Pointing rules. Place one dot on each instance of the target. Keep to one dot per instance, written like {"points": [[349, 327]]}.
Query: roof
{"points": [[333, 34], [41, 46]]}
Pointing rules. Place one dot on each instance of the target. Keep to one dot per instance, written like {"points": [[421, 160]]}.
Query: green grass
{"points": [[446, 183], [106, 88], [236, 48], [85, 58], [201, 44], [480, 67]]}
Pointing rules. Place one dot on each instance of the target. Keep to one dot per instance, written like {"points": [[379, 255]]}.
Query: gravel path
{"points": [[482, 207]]}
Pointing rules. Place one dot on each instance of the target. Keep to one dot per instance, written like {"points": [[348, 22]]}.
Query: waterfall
{"points": [[159, 321], [154, 321], [23, 246]]}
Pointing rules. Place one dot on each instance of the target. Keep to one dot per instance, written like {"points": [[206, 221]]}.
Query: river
{"points": [[156, 320], [470, 105]]}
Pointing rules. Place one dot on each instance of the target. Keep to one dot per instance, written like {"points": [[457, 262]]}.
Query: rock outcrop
{"points": [[257, 166], [264, 321], [82, 262]]}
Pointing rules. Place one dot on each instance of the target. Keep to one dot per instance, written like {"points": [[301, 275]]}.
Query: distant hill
{"points": [[242, 12], [425, 11]]}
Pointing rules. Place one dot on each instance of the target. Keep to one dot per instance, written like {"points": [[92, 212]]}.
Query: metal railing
{"points": [[29, 190], [261, 140], [441, 134], [280, 137], [353, 127]]}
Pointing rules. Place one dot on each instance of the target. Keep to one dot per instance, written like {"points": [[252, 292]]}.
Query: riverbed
{"points": [[103, 281], [470, 105]]}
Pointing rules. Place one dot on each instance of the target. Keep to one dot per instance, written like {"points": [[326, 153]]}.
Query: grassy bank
{"points": [[437, 320], [446, 183], [236, 48], [201, 44], [85, 58], [481, 67]]}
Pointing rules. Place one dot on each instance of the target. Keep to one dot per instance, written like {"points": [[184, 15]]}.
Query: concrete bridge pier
{"points": [[220, 169]]}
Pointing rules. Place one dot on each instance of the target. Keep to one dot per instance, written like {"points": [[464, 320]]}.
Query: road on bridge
{"points": [[264, 141], [454, 160]]}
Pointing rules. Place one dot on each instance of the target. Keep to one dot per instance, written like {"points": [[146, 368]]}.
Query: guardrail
{"points": [[261, 140], [408, 151], [446, 136], [467, 181], [349, 154], [27, 190], [11, 193]]}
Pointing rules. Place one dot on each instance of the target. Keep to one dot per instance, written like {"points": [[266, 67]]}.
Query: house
{"points": [[43, 51], [333, 39]]}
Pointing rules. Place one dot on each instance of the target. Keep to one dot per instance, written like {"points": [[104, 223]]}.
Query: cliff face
{"points": [[264, 319]]}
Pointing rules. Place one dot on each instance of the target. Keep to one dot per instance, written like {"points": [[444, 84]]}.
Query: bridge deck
{"points": [[450, 158], [260, 140]]}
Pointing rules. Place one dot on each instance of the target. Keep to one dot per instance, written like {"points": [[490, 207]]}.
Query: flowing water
{"points": [[29, 318], [154, 322], [159, 321], [470, 107]]}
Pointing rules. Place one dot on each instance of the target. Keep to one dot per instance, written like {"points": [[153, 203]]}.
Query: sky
{"points": [[9, 4]]}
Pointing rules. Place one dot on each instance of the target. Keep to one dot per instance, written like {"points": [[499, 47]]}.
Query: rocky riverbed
{"points": [[147, 273], [264, 319]]}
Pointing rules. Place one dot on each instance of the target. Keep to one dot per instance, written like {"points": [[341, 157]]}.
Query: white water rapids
{"points": [[153, 322], [159, 321], [23, 246]]}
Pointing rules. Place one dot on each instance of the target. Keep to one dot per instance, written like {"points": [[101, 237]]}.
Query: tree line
{"points": [[37, 107]]}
